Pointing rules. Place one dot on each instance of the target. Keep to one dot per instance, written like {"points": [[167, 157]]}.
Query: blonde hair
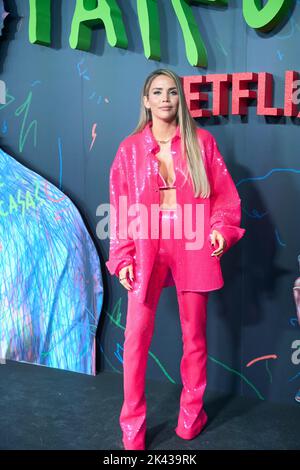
{"points": [[190, 145]]}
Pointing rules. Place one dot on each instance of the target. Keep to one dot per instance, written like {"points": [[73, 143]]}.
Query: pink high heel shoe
{"points": [[184, 431], [133, 437]]}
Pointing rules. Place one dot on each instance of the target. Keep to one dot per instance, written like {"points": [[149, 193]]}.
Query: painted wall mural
{"points": [[65, 115], [3, 15], [51, 285]]}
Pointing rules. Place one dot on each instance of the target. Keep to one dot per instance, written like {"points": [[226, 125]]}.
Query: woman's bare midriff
{"points": [[166, 181]]}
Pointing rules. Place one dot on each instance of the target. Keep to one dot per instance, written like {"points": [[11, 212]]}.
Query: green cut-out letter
{"points": [[216, 3], [149, 25], [194, 46], [89, 13], [266, 17], [40, 22]]}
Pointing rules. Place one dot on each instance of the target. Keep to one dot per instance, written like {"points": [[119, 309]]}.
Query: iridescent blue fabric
{"points": [[50, 280]]}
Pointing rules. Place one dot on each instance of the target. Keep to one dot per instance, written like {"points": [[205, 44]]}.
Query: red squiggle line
{"points": [[262, 358], [51, 198]]}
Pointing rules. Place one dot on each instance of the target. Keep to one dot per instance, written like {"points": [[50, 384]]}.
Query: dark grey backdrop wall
{"points": [[60, 95]]}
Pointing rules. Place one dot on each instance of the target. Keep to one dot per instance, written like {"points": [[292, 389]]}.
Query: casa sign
{"points": [[262, 15]]}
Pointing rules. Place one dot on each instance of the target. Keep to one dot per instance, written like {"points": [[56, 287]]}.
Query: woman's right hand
{"points": [[126, 274]]}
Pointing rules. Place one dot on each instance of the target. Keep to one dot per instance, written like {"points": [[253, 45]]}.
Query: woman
{"points": [[174, 211]]}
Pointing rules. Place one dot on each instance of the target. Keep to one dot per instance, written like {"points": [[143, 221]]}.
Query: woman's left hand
{"points": [[217, 237]]}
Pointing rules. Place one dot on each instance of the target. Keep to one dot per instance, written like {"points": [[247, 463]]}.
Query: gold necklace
{"points": [[164, 141]]}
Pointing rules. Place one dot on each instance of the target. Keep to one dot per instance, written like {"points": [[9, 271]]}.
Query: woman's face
{"points": [[163, 100]]}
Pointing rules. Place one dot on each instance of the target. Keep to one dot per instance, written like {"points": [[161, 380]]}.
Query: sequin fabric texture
{"points": [[134, 194]]}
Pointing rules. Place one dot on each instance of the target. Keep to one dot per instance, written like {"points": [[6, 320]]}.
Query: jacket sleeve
{"points": [[225, 201], [121, 247]]}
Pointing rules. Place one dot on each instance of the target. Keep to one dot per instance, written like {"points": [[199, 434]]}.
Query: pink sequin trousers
{"points": [[138, 335]]}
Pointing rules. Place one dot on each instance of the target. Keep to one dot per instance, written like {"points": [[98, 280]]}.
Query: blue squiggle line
{"points": [[294, 321], [60, 162], [255, 214], [260, 178], [78, 66], [295, 377], [291, 33], [117, 353], [86, 77], [278, 238], [280, 55], [106, 358], [222, 48]]}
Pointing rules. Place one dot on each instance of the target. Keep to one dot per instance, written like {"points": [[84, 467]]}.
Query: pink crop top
{"points": [[167, 198], [165, 186]]}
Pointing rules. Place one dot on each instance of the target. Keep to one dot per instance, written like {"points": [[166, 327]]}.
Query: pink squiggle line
{"points": [[262, 358], [51, 198], [94, 135]]}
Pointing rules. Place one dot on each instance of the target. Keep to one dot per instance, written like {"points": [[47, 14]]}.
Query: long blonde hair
{"points": [[190, 145]]}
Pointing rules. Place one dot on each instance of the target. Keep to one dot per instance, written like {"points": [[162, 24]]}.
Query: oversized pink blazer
{"points": [[133, 178]]}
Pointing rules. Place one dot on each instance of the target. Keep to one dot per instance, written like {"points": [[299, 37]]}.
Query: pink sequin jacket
{"points": [[134, 189]]}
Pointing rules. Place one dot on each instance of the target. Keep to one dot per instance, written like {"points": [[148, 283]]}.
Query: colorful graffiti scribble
{"points": [[51, 286]]}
